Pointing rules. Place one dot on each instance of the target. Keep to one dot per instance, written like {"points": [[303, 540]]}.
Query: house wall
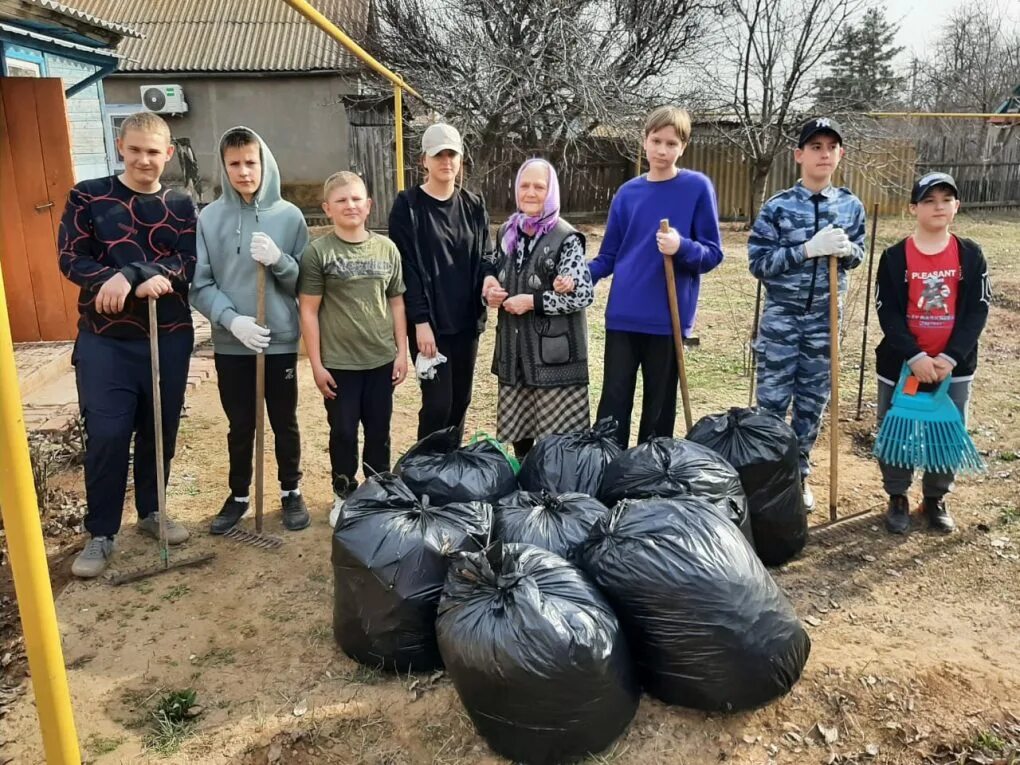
{"points": [[85, 116], [302, 118]]}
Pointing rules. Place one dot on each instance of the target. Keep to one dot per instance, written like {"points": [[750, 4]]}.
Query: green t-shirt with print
{"points": [[356, 281]]}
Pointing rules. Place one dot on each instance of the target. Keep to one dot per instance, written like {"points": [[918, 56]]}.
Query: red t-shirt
{"points": [[932, 286]]}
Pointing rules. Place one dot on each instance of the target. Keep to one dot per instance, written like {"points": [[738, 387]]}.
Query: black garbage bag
{"points": [[439, 467], [764, 450], [558, 523], [571, 461], [391, 553], [536, 655], [674, 467], [707, 626]]}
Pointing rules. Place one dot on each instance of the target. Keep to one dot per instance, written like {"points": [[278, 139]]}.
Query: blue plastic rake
{"points": [[925, 431]]}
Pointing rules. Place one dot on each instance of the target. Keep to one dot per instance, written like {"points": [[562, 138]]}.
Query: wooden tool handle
{"points": [[834, 378], [678, 339], [260, 398], [157, 426]]}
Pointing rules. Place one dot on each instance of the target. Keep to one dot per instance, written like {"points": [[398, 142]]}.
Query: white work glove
{"points": [[264, 249], [829, 241], [425, 366], [249, 333]]}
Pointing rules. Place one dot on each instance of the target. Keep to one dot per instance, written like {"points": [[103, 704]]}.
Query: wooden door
{"points": [[372, 142], [36, 173]]}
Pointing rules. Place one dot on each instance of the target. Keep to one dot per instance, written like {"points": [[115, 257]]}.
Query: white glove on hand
{"points": [[829, 241], [425, 366], [264, 249], [249, 333]]}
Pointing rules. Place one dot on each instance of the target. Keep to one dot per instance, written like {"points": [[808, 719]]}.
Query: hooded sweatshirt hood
{"points": [[226, 275]]}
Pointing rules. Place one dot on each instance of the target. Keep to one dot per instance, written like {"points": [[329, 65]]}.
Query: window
{"points": [[18, 68]]}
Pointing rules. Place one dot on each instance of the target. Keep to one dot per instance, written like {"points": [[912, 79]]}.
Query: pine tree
{"points": [[862, 77]]}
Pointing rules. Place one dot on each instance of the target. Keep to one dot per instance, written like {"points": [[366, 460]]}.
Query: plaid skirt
{"points": [[525, 412]]}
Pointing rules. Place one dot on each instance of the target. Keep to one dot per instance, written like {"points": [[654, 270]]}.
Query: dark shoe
{"points": [[897, 516], [939, 518], [295, 512], [228, 516]]}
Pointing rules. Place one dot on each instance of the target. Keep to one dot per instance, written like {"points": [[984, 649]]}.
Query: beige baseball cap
{"points": [[441, 136]]}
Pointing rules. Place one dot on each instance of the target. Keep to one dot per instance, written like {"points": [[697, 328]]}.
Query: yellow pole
{"points": [[398, 133], [948, 115], [28, 564], [327, 26]]}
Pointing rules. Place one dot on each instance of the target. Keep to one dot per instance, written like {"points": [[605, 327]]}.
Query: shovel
{"points": [[678, 340]]}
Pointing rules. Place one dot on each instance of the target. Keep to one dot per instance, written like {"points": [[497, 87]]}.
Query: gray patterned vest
{"points": [[536, 350]]}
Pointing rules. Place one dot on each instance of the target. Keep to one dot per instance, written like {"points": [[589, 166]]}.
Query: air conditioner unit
{"points": [[164, 99]]}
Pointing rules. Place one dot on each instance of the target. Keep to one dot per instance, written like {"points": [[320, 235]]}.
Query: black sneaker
{"points": [[938, 517], [897, 515], [228, 516], [295, 512]]}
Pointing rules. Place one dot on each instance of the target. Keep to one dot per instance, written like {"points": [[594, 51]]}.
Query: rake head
{"points": [[254, 539], [940, 446]]}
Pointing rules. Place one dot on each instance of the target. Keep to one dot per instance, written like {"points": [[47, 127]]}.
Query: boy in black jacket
{"points": [[932, 300]]}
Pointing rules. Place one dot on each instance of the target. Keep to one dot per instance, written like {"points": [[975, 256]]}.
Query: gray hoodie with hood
{"points": [[225, 276]]}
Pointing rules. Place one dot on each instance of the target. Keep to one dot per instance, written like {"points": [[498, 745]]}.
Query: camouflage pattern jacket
{"points": [[775, 249]]}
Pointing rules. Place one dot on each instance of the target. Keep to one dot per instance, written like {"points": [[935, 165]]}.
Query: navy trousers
{"points": [[115, 398]]}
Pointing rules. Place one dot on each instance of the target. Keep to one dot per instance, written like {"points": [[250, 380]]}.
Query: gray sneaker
{"points": [[91, 562], [175, 532]]}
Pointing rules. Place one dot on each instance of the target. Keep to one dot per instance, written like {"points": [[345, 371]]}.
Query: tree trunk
{"points": [[759, 179]]}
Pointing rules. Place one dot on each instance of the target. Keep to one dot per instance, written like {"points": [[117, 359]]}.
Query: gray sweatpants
{"points": [[897, 480]]}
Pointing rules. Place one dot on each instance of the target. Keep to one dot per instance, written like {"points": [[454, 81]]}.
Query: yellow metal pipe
{"points": [[327, 26], [398, 133], [949, 115], [31, 573]]}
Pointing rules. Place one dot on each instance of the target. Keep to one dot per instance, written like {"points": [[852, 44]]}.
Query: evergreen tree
{"points": [[861, 74]]}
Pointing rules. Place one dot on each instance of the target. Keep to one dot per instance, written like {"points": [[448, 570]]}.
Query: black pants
{"points": [[236, 378], [114, 379], [656, 356], [446, 397], [365, 397]]}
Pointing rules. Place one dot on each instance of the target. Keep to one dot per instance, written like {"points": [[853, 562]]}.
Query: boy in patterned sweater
{"points": [[124, 239]]}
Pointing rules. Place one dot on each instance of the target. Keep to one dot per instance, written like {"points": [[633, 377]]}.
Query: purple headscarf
{"points": [[535, 225]]}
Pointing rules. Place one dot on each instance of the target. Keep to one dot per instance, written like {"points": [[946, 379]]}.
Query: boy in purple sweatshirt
{"points": [[639, 331]]}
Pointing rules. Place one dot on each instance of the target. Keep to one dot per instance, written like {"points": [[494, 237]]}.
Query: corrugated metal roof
{"points": [[231, 35], [52, 5]]}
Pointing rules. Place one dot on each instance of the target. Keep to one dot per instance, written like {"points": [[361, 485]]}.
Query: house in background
{"points": [[43, 38], [208, 65]]}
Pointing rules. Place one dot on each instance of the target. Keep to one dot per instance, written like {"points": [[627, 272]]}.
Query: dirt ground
{"points": [[915, 652]]}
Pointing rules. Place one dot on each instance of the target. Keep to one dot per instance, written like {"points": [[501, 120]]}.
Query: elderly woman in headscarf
{"points": [[542, 290]]}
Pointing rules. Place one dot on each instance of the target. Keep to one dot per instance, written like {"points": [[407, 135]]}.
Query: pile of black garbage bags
{"points": [[554, 595]]}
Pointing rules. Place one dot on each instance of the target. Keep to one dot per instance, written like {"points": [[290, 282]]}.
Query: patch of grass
{"points": [[989, 741], [320, 633], [359, 674], [97, 746], [1009, 515], [176, 592], [216, 657], [1009, 457], [173, 722]]}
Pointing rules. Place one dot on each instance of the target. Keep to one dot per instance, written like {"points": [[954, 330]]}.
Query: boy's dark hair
{"points": [[237, 138]]}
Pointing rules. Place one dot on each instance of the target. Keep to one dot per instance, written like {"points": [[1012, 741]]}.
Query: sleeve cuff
{"points": [[915, 357], [948, 358], [227, 317]]}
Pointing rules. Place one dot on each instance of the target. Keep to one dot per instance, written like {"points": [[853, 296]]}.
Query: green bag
{"points": [[481, 435]]}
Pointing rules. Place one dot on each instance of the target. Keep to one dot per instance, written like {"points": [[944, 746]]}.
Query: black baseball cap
{"points": [[819, 125], [927, 182]]}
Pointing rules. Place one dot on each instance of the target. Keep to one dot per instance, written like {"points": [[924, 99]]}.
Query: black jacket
{"points": [[899, 345], [420, 295]]}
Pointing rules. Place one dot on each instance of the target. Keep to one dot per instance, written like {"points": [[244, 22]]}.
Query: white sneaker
{"points": [[809, 499], [334, 514]]}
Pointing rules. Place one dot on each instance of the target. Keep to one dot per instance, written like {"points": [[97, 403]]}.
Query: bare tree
{"points": [[540, 73], [769, 55]]}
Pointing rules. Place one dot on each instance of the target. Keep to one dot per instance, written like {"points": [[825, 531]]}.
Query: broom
{"points": [[925, 431]]}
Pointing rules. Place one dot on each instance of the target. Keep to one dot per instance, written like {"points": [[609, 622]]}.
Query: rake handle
{"points": [[678, 339], [834, 378], [260, 399], [157, 425]]}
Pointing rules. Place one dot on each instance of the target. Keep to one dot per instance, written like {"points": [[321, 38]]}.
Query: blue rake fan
{"points": [[925, 431]]}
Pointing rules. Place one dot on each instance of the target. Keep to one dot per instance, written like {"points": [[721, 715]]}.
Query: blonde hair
{"points": [[145, 122], [342, 178], [669, 116]]}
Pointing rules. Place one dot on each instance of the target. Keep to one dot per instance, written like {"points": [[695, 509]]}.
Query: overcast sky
{"points": [[920, 20]]}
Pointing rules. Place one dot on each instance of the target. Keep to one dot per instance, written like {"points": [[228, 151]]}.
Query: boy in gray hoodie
{"points": [[250, 227]]}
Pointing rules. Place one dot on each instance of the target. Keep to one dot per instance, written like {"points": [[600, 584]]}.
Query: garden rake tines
{"points": [[925, 431]]}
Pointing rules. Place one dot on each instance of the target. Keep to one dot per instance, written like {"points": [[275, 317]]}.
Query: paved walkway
{"points": [[48, 389]]}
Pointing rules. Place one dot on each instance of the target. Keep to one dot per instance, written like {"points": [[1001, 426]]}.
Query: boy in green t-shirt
{"points": [[350, 292]]}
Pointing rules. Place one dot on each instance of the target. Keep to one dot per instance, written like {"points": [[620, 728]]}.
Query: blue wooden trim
{"points": [[84, 57], [26, 54]]}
